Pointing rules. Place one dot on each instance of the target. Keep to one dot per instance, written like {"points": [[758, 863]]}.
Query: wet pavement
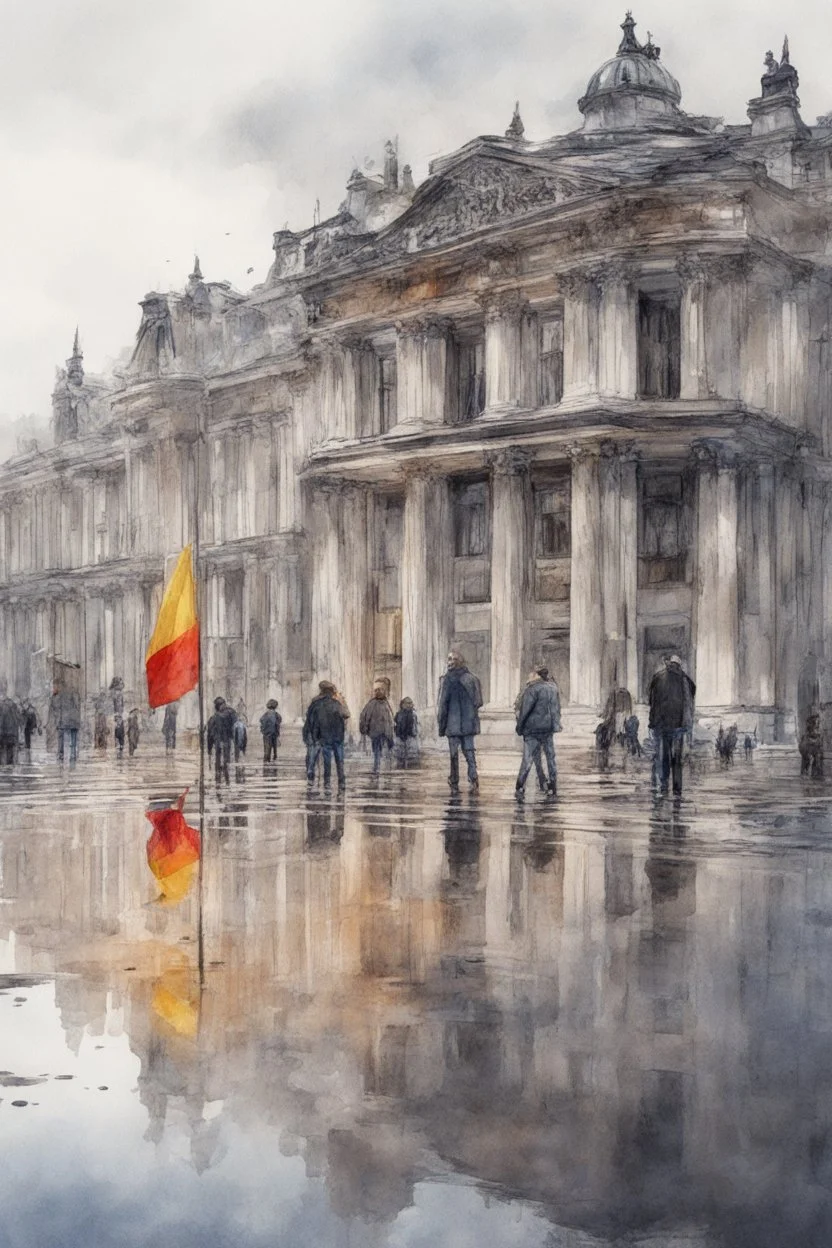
{"points": [[428, 1020]]}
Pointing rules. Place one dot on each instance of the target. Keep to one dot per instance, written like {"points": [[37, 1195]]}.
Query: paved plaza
{"points": [[428, 1018]]}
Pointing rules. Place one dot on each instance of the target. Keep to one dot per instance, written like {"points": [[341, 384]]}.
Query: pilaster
{"points": [[619, 566], [694, 369], [716, 606], [580, 334], [511, 524], [586, 623], [617, 331], [422, 371], [427, 584], [503, 351]]}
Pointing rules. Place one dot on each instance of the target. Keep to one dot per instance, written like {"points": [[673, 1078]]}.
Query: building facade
{"points": [[565, 402]]}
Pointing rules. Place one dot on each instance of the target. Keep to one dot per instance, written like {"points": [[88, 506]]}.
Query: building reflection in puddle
{"points": [[607, 1024]]}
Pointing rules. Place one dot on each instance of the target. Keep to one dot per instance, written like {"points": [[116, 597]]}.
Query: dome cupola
{"points": [[631, 90]]}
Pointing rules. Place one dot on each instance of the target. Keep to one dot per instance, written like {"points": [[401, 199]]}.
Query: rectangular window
{"points": [[664, 536], [471, 356], [553, 521], [659, 346], [471, 520], [388, 381], [389, 540], [551, 363]]}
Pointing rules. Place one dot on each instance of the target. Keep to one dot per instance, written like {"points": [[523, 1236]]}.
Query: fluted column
{"points": [[503, 351], [422, 371], [755, 553], [427, 585], [511, 524], [619, 567], [586, 625], [717, 618], [788, 487], [617, 331], [694, 372], [341, 591], [580, 334]]}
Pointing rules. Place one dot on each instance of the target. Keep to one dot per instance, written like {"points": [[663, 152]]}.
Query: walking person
{"points": [[518, 701], [631, 727], [133, 731], [457, 713], [31, 724], [240, 736], [118, 735], [9, 729], [376, 722], [270, 723], [219, 732], [405, 730], [671, 699], [66, 717], [325, 730], [101, 730], [811, 748], [169, 726], [538, 719]]}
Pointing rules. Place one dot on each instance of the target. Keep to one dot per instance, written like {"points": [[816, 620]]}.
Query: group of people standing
{"points": [[18, 723]]}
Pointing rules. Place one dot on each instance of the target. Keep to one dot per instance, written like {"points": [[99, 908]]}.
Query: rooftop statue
{"points": [[779, 76]]}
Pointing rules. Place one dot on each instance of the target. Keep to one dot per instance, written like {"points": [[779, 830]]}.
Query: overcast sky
{"points": [[133, 134]]}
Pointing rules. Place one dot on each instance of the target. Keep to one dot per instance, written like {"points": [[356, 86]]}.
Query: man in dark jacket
{"points": [[219, 736], [9, 728], [270, 729], [538, 719], [376, 722], [671, 718], [325, 729], [460, 698]]}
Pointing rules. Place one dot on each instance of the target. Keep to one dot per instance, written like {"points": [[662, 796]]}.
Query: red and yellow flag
{"points": [[172, 659], [172, 849]]}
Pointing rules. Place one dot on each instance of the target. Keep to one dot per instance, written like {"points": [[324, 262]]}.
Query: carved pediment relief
{"points": [[476, 194]]}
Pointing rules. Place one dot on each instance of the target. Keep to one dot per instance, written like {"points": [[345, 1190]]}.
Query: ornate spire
{"points": [[516, 129], [196, 276], [784, 55], [629, 43], [75, 363]]}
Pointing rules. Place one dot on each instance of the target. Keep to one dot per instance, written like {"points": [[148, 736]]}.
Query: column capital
{"points": [[617, 271], [691, 267], [423, 328], [577, 281], [331, 487], [579, 452], [728, 268], [708, 453], [501, 305], [623, 452], [428, 471], [509, 461]]}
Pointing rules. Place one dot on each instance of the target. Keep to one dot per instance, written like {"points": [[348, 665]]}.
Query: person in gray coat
{"points": [[457, 713], [538, 719]]}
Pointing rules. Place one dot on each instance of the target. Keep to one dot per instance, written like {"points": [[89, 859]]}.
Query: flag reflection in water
{"points": [[173, 847], [176, 1002]]}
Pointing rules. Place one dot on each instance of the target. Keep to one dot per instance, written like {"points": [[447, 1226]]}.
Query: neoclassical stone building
{"points": [[566, 401]]}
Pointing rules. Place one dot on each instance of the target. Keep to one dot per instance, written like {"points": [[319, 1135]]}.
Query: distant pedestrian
{"points": [[169, 726], [118, 734], [406, 730], [631, 741], [604, 735], [671, 698], [325, 730], [457, 713], [240, 735], [748, 745], [31, 724], [270, 723], [101, 729], [133, 731], [811, 748], [66, 717], [9, 729], [538, 719], [219, 733], [376, 722], [533, 677]]}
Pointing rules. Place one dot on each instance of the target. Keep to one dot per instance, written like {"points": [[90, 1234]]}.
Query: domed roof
{"points": [[635, 68]]}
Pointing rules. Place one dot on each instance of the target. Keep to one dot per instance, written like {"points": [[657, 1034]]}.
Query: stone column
{"points": [[422, 371], [510, 575], [586, 624], [341, 592], [580, 334], [755, 554], [619, 567], [427, 587], [716, 607], [694, 372], [788, 652], [617, 332], [503, 351]]}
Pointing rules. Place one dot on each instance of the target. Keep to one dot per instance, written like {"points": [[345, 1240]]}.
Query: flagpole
{"points": [[201, 699]]}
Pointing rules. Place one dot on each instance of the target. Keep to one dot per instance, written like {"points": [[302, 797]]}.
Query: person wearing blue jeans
{"points": [[324, 732], [457, 712], [538, 719]]}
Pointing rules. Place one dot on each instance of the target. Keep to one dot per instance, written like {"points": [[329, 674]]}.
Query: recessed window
{"points": [[550, 373], [659, 345]]}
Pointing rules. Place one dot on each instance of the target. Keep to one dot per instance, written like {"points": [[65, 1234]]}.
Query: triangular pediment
{"points": [[479, 192]]}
